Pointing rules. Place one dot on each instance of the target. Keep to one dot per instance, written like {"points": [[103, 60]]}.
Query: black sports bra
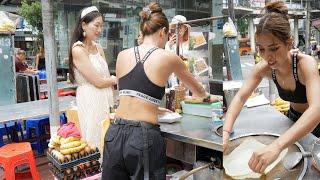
{"points": [[299, 94], [136, 83]]}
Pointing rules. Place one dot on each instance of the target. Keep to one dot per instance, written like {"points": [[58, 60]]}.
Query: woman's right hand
{"points": [[172, 40], [113, 80], [215, 98]]}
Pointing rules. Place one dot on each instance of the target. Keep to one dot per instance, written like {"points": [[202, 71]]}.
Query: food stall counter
{"points": [[194, 130]]}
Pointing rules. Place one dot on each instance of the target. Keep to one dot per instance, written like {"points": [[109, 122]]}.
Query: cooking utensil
{"points": [[291, 160]]}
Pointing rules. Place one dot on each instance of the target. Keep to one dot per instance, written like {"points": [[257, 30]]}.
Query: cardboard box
{"points": [[72, 116]]}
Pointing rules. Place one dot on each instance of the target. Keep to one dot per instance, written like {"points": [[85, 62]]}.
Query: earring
{"points": [[84, 34]]}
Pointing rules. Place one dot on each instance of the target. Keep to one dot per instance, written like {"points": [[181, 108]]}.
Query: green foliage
{"points": [[243, 25], [32, 13]]}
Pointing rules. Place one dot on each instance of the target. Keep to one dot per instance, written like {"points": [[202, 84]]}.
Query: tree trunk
{"points": [[307, 38], [231, 11], [51, 69]]}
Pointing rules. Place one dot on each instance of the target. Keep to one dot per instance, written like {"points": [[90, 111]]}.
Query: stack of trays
{"points": [[75, 168]]}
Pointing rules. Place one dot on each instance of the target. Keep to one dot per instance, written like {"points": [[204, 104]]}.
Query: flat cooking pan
{"points": [[278, 172]]}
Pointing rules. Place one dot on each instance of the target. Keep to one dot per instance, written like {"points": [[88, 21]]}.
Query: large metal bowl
{"points": [[278, 172]]}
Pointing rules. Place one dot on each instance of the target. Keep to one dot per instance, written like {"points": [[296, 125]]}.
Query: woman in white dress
{"points": [[89, 70]]}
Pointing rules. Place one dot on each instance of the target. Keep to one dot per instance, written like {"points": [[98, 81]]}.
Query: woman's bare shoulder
{"points": [[78, 52], [304, 58], [77, 49], [307, 63], [125, 53], [167, 55]]}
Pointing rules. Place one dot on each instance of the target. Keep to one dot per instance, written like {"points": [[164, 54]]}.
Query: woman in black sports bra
{"points": [[296, 77], [134, 147]]}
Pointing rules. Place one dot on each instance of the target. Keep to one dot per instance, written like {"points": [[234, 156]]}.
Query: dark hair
{"points": [[275, 20], [152, 19], [41, 51], [78, 36]]}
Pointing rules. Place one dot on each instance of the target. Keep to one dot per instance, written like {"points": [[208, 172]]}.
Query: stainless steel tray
{"points": [[278, 172]]}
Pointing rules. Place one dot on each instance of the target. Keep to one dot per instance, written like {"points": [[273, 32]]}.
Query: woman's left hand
{"points": [[162, 110], [262, 158], [197, 100]]}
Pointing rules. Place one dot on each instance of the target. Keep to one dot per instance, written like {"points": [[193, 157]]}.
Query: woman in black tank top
{"points": [[134, 146], [296, 77]]}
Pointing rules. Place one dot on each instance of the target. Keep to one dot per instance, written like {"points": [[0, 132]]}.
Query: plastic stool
{"points": [[66, 93], [12, 129], [2, 133], [15, 154], [38, 125]]}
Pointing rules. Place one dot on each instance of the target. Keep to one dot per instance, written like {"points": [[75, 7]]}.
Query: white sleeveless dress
{"points": [[93, 103]]}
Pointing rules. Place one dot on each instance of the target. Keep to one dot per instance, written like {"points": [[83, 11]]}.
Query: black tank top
{"points": [[299, 94], [136, 83], [42, 64]]}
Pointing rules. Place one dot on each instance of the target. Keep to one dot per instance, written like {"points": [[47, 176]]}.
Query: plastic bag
{"points": [[6, 25], [229, 30]]}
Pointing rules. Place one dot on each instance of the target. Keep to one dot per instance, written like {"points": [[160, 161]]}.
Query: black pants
{"points": [[295, 115], [123, 155]]}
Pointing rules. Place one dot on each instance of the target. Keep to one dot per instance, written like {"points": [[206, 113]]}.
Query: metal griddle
{"points": [[278, 172]]}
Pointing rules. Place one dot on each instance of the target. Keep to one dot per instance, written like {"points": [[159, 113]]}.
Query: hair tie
{"points": [[147, 10]]}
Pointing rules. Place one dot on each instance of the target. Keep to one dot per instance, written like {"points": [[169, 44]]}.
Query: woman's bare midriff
{"points": [[135, 109]]}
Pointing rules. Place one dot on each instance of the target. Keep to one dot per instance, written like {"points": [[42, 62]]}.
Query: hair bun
{"points": [[155, 7], [152, 18], [277, 7], [148, 10], [144, 15]]}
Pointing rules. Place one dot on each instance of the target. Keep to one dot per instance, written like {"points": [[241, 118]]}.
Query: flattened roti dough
{"points": [[236, 163]]}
